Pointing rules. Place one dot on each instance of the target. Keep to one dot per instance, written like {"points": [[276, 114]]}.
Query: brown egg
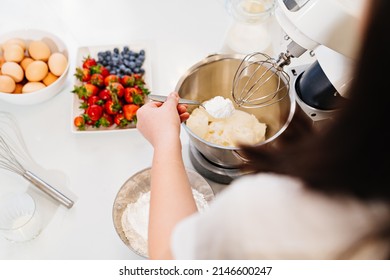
{"points": [[16, 41], [2, 60], [57, 63], [49, 79], [13, 52], [32, 86], [14, 70], [26, 62], [39, 50], [36, 71], [18, 88], [7, 84]]}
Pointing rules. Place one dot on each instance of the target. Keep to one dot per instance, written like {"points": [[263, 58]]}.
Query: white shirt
{"points": [[268, 216]]}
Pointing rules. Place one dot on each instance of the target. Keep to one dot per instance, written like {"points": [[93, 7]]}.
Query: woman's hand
{"points": [[160, 122]]}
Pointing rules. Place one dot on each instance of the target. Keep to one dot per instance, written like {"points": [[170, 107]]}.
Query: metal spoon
{"points": [[162, 98]]}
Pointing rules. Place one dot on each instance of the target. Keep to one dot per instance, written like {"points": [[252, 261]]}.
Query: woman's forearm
{"points": [[171, 199]]}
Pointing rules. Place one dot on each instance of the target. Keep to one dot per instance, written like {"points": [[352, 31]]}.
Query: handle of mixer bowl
{"points": [[48, 189]]}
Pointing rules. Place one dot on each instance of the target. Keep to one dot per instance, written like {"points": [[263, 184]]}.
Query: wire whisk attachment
{"points": [[14, 157], [8, 160], [260, 81]]}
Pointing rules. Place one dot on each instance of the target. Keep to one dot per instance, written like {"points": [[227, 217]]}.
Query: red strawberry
{"points": [[116, 88], [100, 69], [129, 111], [83, 74], [105, 94], [85, 91], [88, 62], [94, 112], [94, 99], [106, 121], [112, 107], [120, 120], [111, 79], [97, 80], [138, 77], [79, 122], [128, 81], [128, 95]]}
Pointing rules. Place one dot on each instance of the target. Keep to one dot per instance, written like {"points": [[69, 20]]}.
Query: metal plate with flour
{"points": [[132, 189]]}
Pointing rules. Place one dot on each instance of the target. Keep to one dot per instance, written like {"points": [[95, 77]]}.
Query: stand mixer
{"points": [[330, 29]]}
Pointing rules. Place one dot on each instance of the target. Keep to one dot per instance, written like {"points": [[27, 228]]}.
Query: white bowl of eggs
{"points": [[34, 65]]}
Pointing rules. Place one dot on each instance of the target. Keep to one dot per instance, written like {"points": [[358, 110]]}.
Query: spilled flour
{"points": [[135, 220]]}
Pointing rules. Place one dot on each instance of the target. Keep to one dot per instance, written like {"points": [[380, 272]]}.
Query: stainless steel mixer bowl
{"points": [[213, 76]]}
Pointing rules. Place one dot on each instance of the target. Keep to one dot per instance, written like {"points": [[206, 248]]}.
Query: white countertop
{"points": [[94, 166]]}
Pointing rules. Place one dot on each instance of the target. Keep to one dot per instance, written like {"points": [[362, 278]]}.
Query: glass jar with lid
{"points": [[252, 28]]}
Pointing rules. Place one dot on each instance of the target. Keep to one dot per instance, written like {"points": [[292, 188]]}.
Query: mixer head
{"points": [[259, 81]]}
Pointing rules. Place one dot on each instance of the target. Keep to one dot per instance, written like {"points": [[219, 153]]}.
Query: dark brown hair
{"points": [[351, 155]]}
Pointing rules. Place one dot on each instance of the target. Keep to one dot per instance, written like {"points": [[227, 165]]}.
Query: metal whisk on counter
{"points": [[13, 153], [260, 80]]}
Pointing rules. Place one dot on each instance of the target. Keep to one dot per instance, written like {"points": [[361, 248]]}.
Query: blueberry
{"points": [[126, 49], [132, 64], [138, 63], [141, 71], [108, 53], [116, 50], [141, 57], [142, 52], [136, 70], [132, 57]]}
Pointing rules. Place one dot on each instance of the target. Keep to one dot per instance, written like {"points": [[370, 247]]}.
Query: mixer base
{"points": [[206, 168]]}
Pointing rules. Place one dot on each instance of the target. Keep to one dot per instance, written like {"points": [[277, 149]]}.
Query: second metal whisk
{"points": [[14, 157], [260, 81]]}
